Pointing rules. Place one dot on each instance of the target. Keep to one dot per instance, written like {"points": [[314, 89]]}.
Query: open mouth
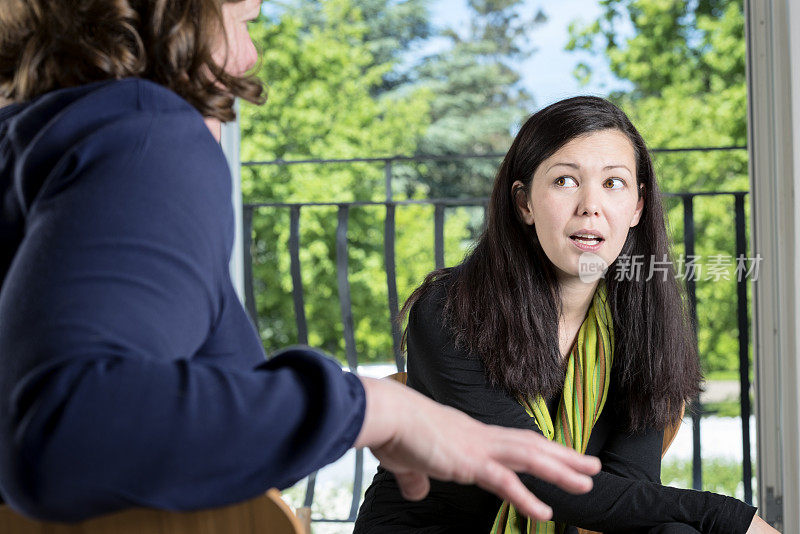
{"points": [[586, 239]]}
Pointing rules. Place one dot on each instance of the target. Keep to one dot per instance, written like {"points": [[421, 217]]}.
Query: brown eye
{"points": [[614, 183], [565, 181]]}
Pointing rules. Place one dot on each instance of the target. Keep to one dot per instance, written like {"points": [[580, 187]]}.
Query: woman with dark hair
{"points": [[526, 333], [130, 374]]}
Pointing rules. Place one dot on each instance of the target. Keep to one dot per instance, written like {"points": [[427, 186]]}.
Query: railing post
{"points": [[349, 335], [343, 279], [391, 284], [697, 408], [387, 175], [391, 271], [438, 235], [744, 353], [297, 278], [247, 239]]}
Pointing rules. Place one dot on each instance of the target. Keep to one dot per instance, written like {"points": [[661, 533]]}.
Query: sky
{"points": [[547, 74]]}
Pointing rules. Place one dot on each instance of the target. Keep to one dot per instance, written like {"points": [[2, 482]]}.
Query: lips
{"points": [[587, 239]]}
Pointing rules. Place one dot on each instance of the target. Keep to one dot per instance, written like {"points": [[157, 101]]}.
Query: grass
{"points": [[727, 374], [726, 408], [720, 475]]}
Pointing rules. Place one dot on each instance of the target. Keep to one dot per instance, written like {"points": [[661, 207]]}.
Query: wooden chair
{"points": [[267, 514], [669, 433], [401, 377]]}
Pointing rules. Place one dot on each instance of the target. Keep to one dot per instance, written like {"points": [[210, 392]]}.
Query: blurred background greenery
{"points": [[377, 78]]}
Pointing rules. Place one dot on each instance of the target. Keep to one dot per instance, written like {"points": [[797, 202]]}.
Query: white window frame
{"points": [[773, 83], [230, 142]]}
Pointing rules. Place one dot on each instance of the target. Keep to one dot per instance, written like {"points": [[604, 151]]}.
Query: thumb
{"points": [[414, 485]]}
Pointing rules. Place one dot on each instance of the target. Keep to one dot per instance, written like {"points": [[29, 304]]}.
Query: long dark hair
{"points": [[656, 366]]}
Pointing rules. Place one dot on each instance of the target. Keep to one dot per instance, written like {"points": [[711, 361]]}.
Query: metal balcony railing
{"points": [[440, 205]]}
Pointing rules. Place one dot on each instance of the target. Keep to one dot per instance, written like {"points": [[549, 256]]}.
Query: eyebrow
{"points": [[577, 167]]}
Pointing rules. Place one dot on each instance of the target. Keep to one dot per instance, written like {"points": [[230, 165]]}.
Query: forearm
{"points": [[91, 437], [381, 416], [617, 503]]}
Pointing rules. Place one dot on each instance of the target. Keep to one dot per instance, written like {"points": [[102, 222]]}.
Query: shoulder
{"points": [[434, 294], [109, 111], [74, 112], [431, 300], [124, 130], [431, 328], [129, 155]]}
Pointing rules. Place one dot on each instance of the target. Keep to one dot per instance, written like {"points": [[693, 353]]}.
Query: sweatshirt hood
{"points": [[38, 136]]}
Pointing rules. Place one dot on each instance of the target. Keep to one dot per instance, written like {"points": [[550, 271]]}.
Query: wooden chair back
{"points": [[401, 377], [266, 514]]}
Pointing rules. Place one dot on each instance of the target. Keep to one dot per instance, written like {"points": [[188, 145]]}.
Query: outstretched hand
{"points": [[416, 439]]}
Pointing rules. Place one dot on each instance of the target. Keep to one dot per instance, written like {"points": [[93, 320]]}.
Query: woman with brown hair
{"points": [[525, 333], [130, 374]]}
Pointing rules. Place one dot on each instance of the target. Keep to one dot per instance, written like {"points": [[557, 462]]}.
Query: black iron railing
{"points": [[440, 206]]}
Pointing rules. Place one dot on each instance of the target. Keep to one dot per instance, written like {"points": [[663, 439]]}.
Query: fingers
{"points": [[503, 482], [548, 461], [589, 465], [527, 439], [414, 485], [545, 467]]}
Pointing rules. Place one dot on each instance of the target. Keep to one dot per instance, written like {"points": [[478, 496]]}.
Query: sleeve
{"points": [[617, 501], [113, 289], [631, 455]]}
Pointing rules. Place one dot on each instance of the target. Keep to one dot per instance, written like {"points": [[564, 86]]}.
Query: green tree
{"points": [[478, 101], [322, 82], [391, 29], [686, 61]]}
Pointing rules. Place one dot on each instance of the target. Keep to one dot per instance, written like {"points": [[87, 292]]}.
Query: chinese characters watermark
{"points": [[715, 268]]}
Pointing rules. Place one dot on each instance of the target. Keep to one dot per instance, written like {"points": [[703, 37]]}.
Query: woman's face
{"points": [[584, 198], [240, 54]]}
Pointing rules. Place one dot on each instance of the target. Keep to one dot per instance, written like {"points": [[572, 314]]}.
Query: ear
{"points": [[639, 206], [522, 202]]}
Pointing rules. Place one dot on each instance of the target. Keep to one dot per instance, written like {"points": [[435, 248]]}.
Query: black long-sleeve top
{"points": [[627, 493]]}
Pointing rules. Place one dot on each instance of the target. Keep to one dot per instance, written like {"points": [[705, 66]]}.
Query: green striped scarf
{"points": [[585, 391]]}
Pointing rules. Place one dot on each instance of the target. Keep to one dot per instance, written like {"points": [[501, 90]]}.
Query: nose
{"points": [[589, 203]]}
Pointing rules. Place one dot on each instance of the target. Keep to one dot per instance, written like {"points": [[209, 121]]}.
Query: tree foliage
{"points": [[686, 62], [322, 81], [346, 80], [478, 101]]}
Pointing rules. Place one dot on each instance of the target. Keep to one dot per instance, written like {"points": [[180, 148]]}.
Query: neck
{"points": [[215, 126], [576, 296]]}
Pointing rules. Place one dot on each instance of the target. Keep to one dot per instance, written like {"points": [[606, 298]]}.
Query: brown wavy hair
{"points": [[503, 300], [46, 45]]}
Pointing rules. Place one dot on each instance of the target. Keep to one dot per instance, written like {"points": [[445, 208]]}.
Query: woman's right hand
{"points": [[416, 438], [759, 526]]}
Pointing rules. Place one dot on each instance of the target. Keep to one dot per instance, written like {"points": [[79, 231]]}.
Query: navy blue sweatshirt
{"points": [[130, 374]]}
